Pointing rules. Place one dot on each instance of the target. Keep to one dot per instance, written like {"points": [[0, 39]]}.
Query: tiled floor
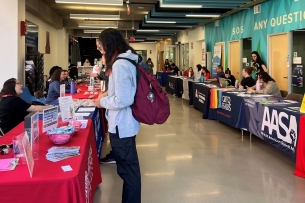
{"points": [[191, 160]]}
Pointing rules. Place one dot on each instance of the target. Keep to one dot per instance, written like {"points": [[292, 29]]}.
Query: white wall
{"points": [[148, 47], [59, 43], [12, 49], [196, 37]]}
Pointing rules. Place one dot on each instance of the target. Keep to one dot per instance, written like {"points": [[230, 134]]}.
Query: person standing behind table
{"points": [[197, 73], [174, 69], [52, 70], [268, 85], [258, 64], [206, 73], [230, 79], [220, 74], [13, 109], [166, 65], [122, 127], [247, 81], [151, 65], [87, 63]]}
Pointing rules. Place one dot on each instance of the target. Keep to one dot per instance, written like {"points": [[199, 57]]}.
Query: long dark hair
{"points": [[113, 44], [205, 69], [56, 75], [53, 69], [199, 67], [265, 77], [258, 57], [228, 71], [9, 88]]}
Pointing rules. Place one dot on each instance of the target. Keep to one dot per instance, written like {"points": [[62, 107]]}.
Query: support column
{"points": [[12, 49]]}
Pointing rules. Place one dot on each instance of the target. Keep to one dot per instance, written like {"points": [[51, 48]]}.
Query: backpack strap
{"points": [[133, 63]]}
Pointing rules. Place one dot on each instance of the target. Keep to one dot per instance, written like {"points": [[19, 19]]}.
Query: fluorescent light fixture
{"points": [[202, 16], [99, 2], [90, 37], [178, 5], [95, 16], [93, 31], [97, 26], [167, 22], [148, 30]]}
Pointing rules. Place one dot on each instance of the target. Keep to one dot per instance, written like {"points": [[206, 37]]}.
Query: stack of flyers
{"points": [[60, 153]]}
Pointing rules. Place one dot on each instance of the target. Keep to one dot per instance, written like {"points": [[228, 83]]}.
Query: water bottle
{"points": [[190, 75], [236, 84], [202, 78], [258, 85], [72, 87]]}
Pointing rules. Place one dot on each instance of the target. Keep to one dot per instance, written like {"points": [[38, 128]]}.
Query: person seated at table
{"points": [[13, 109], [206, 73], [187, 71], [87, 63], [73, 73], [248, 81], [167, 65], [220, 74], [174, 68], [197, 73], [230, 79], [268, 85], [52, 70]]}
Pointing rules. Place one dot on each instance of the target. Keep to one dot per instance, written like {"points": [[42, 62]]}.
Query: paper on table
{"points": [[82, 114], [86, 109], [66, 168], [8, 164]]}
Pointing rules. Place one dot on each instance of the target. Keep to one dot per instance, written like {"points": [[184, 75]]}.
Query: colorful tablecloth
{"points": [[50, 183]]}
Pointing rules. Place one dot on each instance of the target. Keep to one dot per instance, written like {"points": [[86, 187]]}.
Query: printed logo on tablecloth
{"points": [[196, 93], [89, 176], [201, 98], [280, 127], [226, 103], [171, 85]]}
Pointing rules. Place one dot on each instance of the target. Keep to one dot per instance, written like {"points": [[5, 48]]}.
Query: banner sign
{"points": [[203, 52], [216, 59]]}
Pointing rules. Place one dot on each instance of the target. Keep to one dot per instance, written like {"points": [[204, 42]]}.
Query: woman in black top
{"points": [[229, 78], [13, 109], [257, 63], [167, 65], [248, 81], [174, 69]]}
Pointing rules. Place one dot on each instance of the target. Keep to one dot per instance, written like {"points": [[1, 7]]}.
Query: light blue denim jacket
{"points": [[121, 90]]}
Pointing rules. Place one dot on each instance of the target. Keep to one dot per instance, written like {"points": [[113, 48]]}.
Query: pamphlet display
{"points": [[28, 154], [50, 118], [66, 108], [31, 126], [62, 90]]}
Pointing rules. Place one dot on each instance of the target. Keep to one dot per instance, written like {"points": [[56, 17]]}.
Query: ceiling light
{"points": [[178, 5], [141, 7], [93, 31], [95, 16], [167, 22], [148, 30], [202, 16], [97, 26], [104, 2]]}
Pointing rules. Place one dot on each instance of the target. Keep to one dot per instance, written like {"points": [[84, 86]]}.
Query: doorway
{"points": [[234, 58], [278, 53]]}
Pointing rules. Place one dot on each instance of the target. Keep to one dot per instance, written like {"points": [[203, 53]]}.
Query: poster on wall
{"points": [[297, 75], [216, 59], [203, 52]]}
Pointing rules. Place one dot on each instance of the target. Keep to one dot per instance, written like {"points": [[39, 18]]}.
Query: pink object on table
{"points": [[60, 138]]}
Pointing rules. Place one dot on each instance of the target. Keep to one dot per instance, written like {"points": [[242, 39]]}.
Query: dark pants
{"points": [[125, 154]]}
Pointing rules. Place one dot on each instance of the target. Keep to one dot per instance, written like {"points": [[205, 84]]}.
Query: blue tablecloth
{"points": [[174, 85], [162, 77], [96, 117]]}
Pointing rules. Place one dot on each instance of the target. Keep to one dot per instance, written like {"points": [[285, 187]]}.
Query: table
{"points": [[84, 88], [174, 85], [200, 98], [97, 121], [162, 77], [50, 184]]}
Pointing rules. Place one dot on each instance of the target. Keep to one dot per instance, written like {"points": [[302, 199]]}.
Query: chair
{"points": [[295, 97], [284, 93], [26, 95], [40, 97]]}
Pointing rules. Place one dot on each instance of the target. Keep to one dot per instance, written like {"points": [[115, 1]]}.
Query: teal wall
{"points": [[276, 16]]}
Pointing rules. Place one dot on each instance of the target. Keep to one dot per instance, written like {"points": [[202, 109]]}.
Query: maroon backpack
{"points": [[151, 104]]}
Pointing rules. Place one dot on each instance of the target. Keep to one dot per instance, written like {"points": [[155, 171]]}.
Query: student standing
{"points": [[122, 126]]}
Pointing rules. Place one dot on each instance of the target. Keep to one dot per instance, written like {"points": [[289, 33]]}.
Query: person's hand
{"points": [[97, 102], [241, 87], [249, 89], [104, 94]]}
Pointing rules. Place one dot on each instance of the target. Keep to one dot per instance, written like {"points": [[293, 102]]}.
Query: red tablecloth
{"points": [[300, 153], [84, 88], [50, 184]]}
